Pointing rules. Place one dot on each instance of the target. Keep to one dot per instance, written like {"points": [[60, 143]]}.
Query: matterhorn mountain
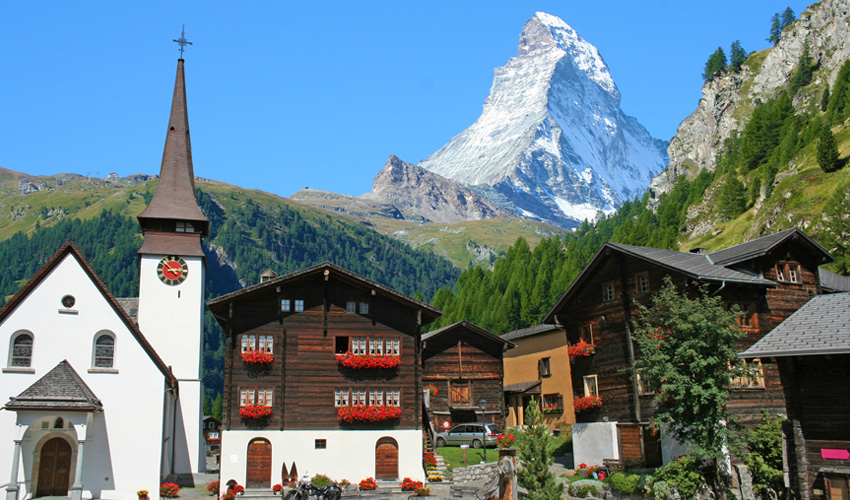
{"points": [[552, 143]]}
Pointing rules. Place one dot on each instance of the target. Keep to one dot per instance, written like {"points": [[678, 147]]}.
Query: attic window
{"points": [[284, 305], [185, 227], [68, 301], [608, 292], [299, 305]]}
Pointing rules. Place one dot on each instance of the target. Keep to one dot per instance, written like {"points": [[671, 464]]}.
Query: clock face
{"points": [[172, 270]]}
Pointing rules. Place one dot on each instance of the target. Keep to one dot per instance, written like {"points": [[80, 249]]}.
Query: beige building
{"points": [[538, 367]]}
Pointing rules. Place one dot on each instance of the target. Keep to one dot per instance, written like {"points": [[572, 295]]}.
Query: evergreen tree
{"points": [[737, 55], [535, 453], [835, 235], [687, 342], [732, 199], [824, 99], [216, 407], [715, 63], [837, 109], [788, 17], [775, 29], [827, 153]]}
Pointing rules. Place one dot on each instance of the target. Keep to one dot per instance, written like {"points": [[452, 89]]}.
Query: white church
{"points": [[102, 396]]}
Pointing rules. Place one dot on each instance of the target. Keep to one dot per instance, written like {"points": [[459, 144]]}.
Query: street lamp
{"points": [[483, 405]]}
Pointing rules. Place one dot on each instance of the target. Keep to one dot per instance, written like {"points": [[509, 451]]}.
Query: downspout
{"points": [[722, 286]]}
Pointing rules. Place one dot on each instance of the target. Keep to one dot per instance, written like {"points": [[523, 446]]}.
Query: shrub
{"points": [[213, 487], [682, 473], [584, 488], [660, 490], [169, 490], [765, 455], [626, 484], [320, 480]]}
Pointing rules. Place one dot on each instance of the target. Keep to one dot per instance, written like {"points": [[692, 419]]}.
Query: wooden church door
{"points": [[386, 458], [259, 473], [54, 470]]}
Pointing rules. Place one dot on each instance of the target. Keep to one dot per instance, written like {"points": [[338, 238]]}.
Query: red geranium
{"points": [[255, 411], [430, 460], [367, 361], [368, 484], [257, 357], [585, 403], [505, 440], [410, 485], [363, 413], [581, 348]]}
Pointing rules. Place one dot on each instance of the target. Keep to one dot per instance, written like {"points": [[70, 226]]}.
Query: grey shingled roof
{"points": [[130, 305], [822, 326], [831, 282], [521, 387], [695, 265], [528, 332], [761, 246], [59, 389], [472, 328]]}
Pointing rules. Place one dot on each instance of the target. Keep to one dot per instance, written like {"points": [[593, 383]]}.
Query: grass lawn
{"points": [[453, 456]]}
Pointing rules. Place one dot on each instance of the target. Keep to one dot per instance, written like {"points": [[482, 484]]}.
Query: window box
{"points": [[368, 361], [363, 413], [586, 403], [255, 411], [581, 349], [257, 357]]}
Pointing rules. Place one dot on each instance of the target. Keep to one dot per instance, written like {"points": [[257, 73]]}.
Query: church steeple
{"points": [[173, 208]]}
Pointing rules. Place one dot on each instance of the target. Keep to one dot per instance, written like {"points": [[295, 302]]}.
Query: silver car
{"points": [[471, 434]]}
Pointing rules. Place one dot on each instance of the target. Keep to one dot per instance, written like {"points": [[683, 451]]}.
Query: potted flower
{"points": [[169, 490], [255, 411], [505, 440], [430, 461], [213, 487], [143, 494], [363, 413], [368, 361], [410, 485], [432, 389], [228, 495], [238, 489], [581, 349], [586, 403], [278, 488], [368, 484], [422, 491], [259, 358]]}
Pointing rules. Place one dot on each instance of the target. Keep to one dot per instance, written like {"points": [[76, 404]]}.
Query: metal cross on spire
{"points": [[182, 41]]}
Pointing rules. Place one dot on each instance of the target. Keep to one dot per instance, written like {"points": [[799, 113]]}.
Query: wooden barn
{"points": [[812, 350], [462, 365], [322, 375], [769, 278]]}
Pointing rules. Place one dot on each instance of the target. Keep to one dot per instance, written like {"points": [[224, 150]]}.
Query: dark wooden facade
{"points": [[464, 363], [592, 311], [305, 374], [817, 389]]}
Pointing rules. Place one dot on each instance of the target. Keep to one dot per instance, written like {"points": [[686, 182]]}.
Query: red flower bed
{"points": [[581, 348], [257, 357], [363, 413], [368, 484], [410, 485], [367, 361], [255, 411], [586, 403]]}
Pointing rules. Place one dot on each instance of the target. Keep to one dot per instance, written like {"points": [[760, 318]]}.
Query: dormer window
{"points": [[185, 227], [608, 292], [788, 272]]}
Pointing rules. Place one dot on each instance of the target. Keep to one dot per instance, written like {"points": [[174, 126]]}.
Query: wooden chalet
{"points": [[539, 368], [461, 365], [769, 278], [812, 351], [322, 375]]}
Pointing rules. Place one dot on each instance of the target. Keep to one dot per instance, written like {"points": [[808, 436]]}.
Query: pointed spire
{"points": [[174, 200]]}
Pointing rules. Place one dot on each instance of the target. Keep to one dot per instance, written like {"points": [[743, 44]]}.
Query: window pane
{"points": [[364, 308], [104, 352], [351, 307], [284, 305], [22, 351], [299, 305]]}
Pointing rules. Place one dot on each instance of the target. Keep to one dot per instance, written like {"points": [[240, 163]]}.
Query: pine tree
{"points": [[737, 55], [733, 199], [824, 99], [788, 17], [805, 68], [715, 63], [775, 29], [838, 109], [827, 153], [835, 236], [535, 453]]}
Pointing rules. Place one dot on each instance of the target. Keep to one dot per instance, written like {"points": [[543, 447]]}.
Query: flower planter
{"points": [[586, 403], [368, 361], [255, 411], [581, 349], [362, 413], [257, 358]]}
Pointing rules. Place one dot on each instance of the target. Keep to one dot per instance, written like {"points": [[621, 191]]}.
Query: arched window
{"points": [[104, 350], [21, 350]]}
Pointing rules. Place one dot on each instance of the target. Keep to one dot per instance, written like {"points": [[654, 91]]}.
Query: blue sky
{"points": [[284, 95]]}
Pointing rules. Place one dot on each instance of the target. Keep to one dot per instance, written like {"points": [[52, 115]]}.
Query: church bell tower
{"points": [[171, 284]]}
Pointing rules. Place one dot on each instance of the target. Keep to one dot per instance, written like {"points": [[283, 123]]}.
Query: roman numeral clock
{"points": [[172, 270]]}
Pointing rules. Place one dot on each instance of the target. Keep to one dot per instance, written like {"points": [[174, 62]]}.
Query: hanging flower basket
{"points": [[363, 413], [257, 357], [255, 411], [581, 349], [432, 389], [367, 361], [586, 403]]}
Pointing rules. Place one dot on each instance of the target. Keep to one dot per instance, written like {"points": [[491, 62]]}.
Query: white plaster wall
{"points": [[126, 437], [350, 453], [595, 441], [670, 447], [171, 318]]}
